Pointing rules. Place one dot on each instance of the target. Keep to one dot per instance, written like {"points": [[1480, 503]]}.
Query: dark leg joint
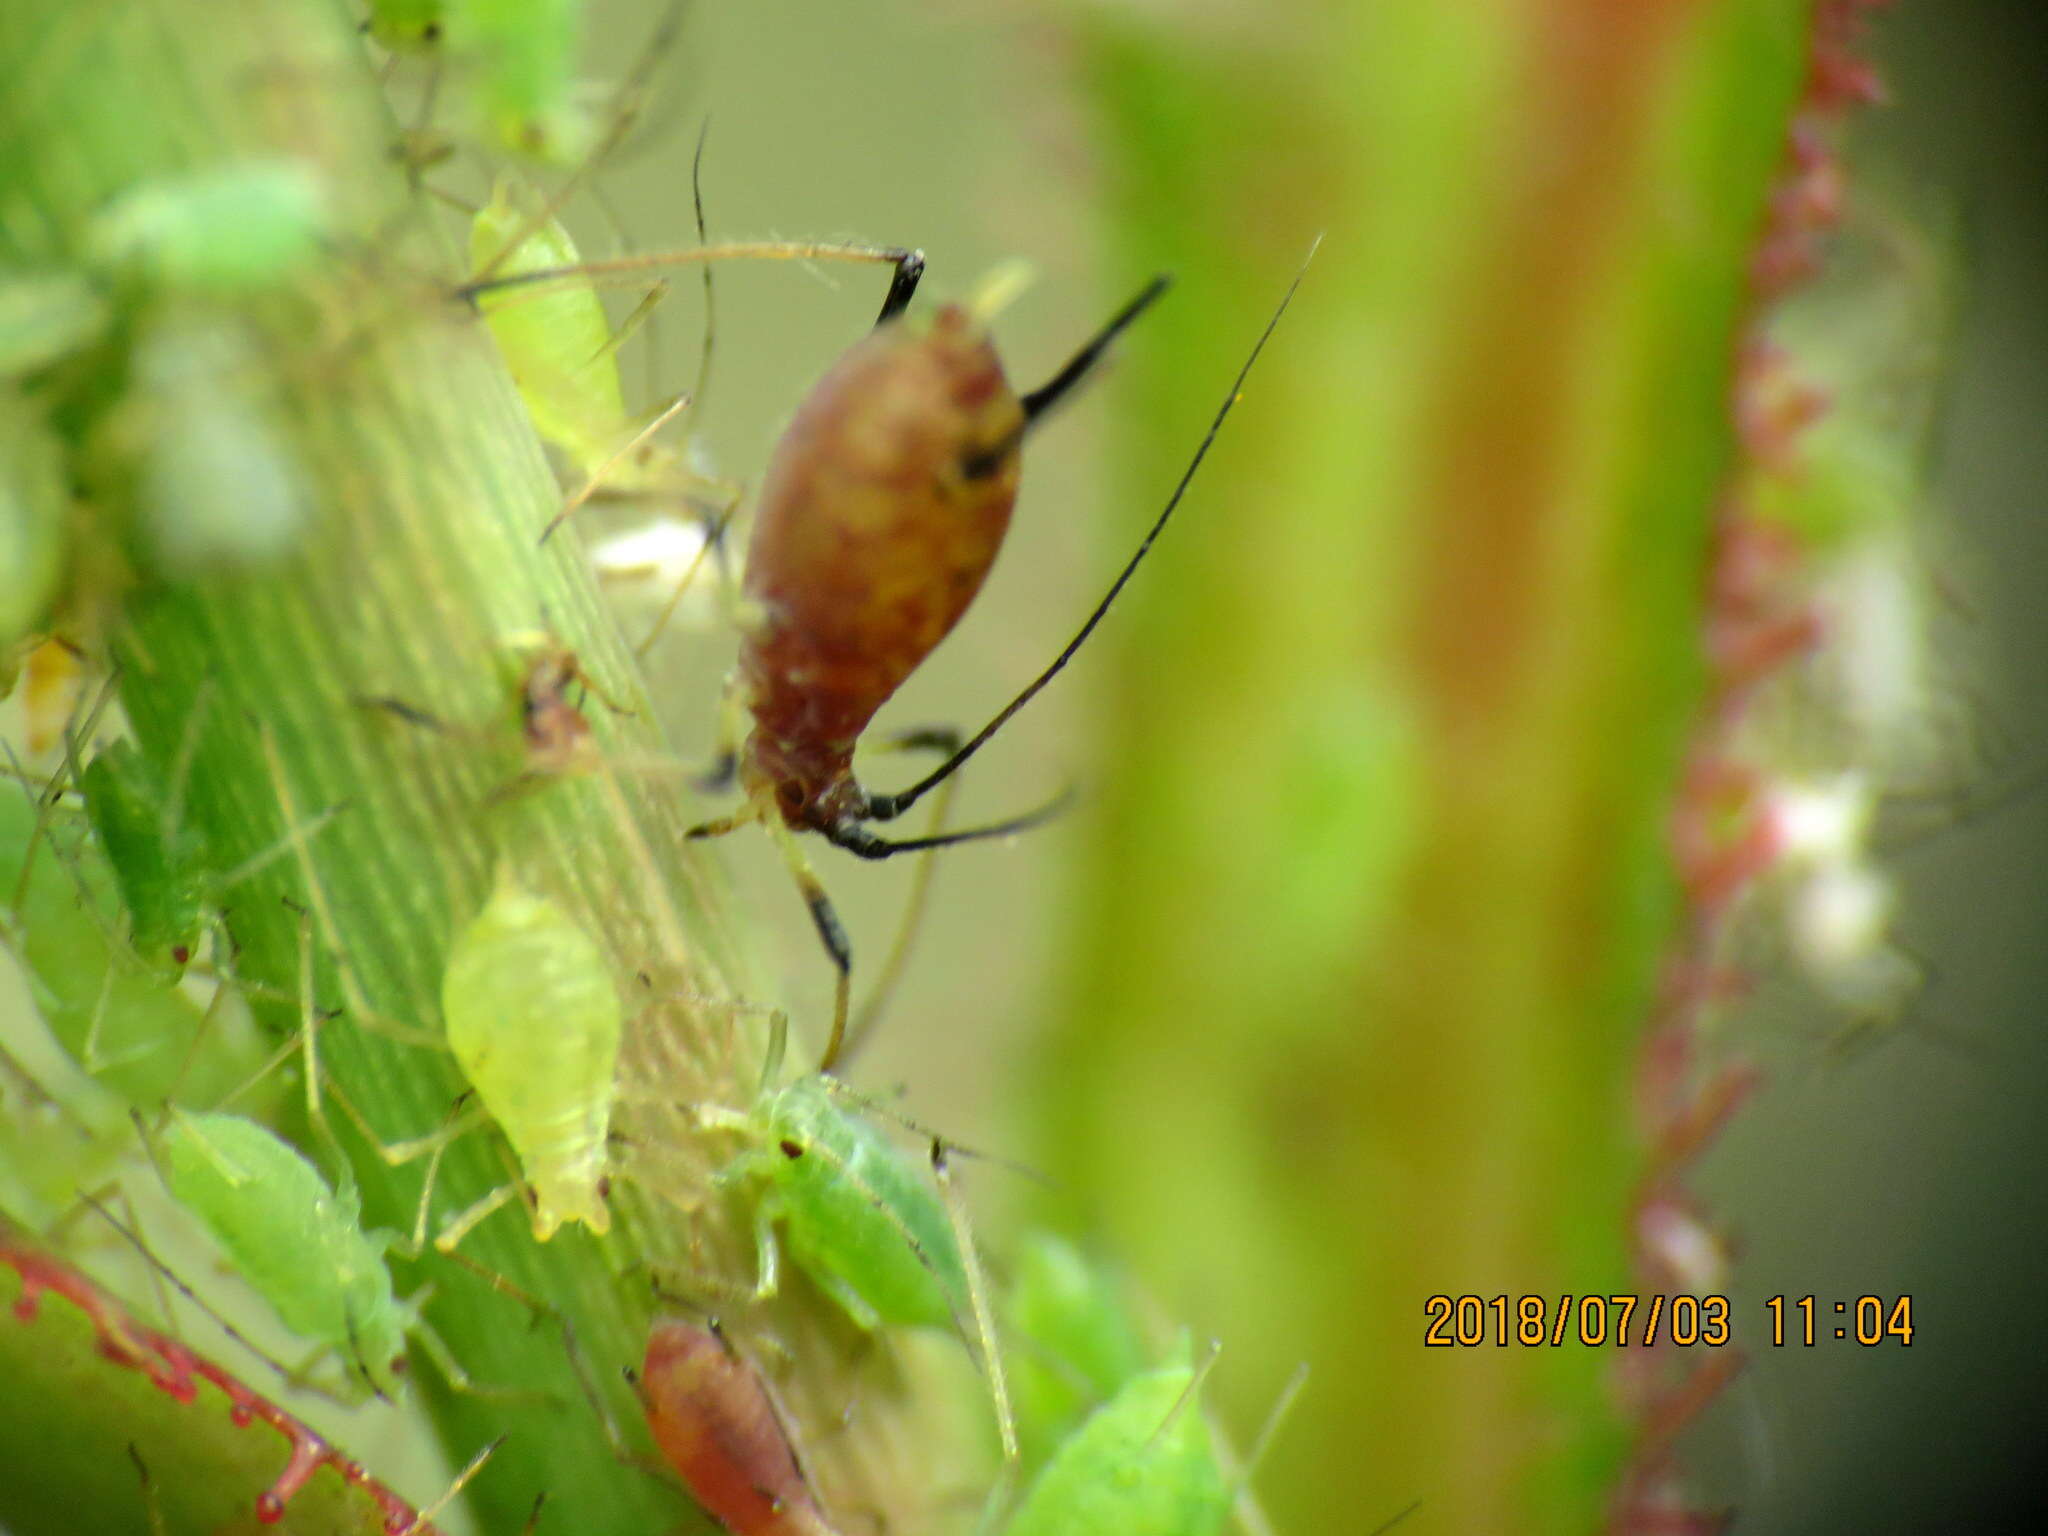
{"points": [[942, 739], [909, 268], [718, 777], [829, 931]]}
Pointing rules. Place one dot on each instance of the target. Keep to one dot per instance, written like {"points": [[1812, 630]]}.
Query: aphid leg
{"points": [[831, 933], [1251, 1519], [151, 1509], [467, 1220], [435, 1348], [452, 1492], [902, 285], [944, 740], [908, 265], [598, 476], [725, 760], [714, 549], [984, 1315]]}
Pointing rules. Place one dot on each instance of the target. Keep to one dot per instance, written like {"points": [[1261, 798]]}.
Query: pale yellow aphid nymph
{"points": [[534, 1020]]}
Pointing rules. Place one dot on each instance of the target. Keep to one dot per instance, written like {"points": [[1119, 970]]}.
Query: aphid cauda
{"points": [[715, 1421], [882, 510], [534, 1020]]}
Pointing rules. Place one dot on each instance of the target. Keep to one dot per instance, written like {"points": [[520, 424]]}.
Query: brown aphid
{"points": [[881, 513], [882, 510], [714, 1421]]}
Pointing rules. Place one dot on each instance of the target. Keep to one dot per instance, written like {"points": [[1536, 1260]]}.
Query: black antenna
{"points": [[886, 807], [1049, 394], [858, 840]]}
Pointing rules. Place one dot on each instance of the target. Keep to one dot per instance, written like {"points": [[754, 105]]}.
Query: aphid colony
{"points": [[879, 517]]}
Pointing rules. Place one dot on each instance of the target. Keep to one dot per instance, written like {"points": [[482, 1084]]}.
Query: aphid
{"points": [[1074, 1340], [234, 228], [525, 51], [116, 1008], [540, 300], [715, 1421], [534, 1020], [405, 26], [881, 512], [883, 1237], [558, 343], [1143, 1464], [299, 1243], [161, 868], [166, 874]]}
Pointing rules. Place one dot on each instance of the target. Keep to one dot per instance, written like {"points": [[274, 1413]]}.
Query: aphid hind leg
{"points": [[725, 759], [715, 523], [984, 1315], [945, 740], [831, 932]]}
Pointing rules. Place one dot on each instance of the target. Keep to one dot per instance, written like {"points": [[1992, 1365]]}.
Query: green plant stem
{"points": [[1376, 890], [421, 557]]}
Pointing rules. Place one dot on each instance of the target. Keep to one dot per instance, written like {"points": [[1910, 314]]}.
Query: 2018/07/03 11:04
{"points": [[1593, 1321]]}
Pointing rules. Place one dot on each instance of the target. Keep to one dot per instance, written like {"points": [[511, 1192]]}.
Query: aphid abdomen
{"points": [[881, 512], [534, 1021], [854, 1210], [711, 1415]]}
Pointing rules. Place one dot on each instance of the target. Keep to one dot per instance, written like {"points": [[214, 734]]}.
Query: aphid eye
{"points": [[792, 1150]]}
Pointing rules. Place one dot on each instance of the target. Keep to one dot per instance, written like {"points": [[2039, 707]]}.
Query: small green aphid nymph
{"points": [[883, 1235], [298, 1243], [535, 1021], [862, 1221]]}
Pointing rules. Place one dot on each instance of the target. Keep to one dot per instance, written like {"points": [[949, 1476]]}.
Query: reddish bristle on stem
{"points": [[712, 1417], [177, 1370]]}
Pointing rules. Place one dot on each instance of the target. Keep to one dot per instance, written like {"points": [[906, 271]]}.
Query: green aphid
{"points": [[160, 867], [556, 338], [35, 509], [1074, 1341], [236, 228], [129, 1027], [406, 26], [867, 1225], [1143, 1464], [298, 1243], [534, 1020], [524, 53]]}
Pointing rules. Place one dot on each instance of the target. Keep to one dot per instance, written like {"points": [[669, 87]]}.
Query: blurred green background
{"points": [[1905, 1166]]}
